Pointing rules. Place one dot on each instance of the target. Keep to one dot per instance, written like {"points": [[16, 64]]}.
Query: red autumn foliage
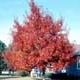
{"points": [[38, 42]]}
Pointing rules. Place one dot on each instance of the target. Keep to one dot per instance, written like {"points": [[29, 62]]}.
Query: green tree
{"points": [[3, 48]]}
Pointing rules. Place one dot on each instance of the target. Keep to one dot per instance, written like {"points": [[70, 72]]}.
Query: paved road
{"points": [[22, 78], [16, 78]]}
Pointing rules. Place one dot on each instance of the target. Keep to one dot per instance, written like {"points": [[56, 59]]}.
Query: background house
{"points": [[74, 68]]}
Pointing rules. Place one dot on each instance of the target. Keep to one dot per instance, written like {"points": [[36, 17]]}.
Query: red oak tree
{"points": [[39, 41]]}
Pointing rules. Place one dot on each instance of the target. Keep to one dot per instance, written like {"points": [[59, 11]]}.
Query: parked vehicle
{"points": [[36, 72]]}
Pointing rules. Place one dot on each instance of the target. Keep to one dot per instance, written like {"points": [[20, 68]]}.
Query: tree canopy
{"points": [[39, 41]]}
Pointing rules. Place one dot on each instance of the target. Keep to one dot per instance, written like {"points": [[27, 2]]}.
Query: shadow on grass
{"points": [[63, 77]]}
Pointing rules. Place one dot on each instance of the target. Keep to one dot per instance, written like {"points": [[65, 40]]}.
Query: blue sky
{"points": [[69, 10]]}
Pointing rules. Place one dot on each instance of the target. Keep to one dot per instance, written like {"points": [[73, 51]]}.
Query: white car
{"points": [[35, 72]]}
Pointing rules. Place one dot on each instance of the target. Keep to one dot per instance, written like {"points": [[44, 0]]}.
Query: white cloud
{"points": [[5, 34], [74, 36]]}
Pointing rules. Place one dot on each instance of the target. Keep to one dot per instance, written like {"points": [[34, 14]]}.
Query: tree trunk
{"points": [[0, 72], [43, 72]]}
